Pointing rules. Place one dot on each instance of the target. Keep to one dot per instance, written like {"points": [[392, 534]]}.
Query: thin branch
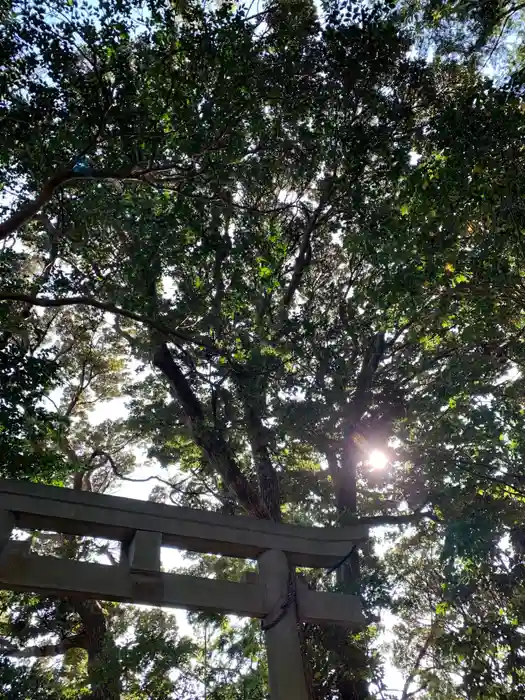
{"points": [[113, 309], [460, 462], [421, 655], [199, 476], [428, 365], [512, 10], [77, 394], [415, 692], [109, 554], [498, 39], [376, 520], [108, 459]]}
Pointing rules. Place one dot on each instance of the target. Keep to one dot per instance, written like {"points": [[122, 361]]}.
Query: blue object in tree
{"points": [[82, 166]]}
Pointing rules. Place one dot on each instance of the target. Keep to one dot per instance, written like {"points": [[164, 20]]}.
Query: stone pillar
{"points": [[7, 523], [285, 661], [144, 552]]}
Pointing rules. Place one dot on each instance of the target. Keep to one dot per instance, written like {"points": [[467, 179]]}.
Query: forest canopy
{"points": [[268, 259]]}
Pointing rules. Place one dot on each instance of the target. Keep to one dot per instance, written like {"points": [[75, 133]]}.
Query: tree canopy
{"points": [[288, 238]]}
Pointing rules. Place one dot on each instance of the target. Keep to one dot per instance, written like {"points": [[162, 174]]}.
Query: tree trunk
{"points": [[349, 659], [348, 575], [266, 474], [103, 656], [215, 447]]}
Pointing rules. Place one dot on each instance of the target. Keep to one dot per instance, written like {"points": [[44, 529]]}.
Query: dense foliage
{"points": [[289, 237]]}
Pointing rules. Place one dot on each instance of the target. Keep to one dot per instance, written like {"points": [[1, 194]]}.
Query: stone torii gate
{"points": [[274, 595]]}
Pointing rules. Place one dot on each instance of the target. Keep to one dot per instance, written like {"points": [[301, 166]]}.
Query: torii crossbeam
{"points": [[143, 528]]}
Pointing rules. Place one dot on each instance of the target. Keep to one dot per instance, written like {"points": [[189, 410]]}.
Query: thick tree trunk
{"points": [[215, 447], [267, 476], [349, 660], [103, 657], [348, 575]]}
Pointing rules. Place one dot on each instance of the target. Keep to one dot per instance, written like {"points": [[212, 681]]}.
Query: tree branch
{"points": [[376, 520], [333, 468], [30, 209], [303, 259], [78, 641], [27, 211], [108, 459], [371, 360], [463, 464], [113, 309], [54, 237], [346, 495], [421, 655], [268, 479], [214, 446]]}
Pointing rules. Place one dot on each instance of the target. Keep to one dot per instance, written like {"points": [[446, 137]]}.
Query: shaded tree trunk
{"points": [[266, 474], [103, 655], [103, 665], [214, 446], [349, 659]]}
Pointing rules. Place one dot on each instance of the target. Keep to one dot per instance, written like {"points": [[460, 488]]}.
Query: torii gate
{"points": [[142, 527]]}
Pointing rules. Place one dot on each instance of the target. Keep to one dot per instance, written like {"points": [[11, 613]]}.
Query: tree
{"points": [[488, 32], [229, 200]]}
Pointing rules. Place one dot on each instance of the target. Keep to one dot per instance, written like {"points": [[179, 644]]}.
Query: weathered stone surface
{"points": [[116, 518]]}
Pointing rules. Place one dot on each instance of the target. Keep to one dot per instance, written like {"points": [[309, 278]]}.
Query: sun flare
{"points": [[377, 459]]}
